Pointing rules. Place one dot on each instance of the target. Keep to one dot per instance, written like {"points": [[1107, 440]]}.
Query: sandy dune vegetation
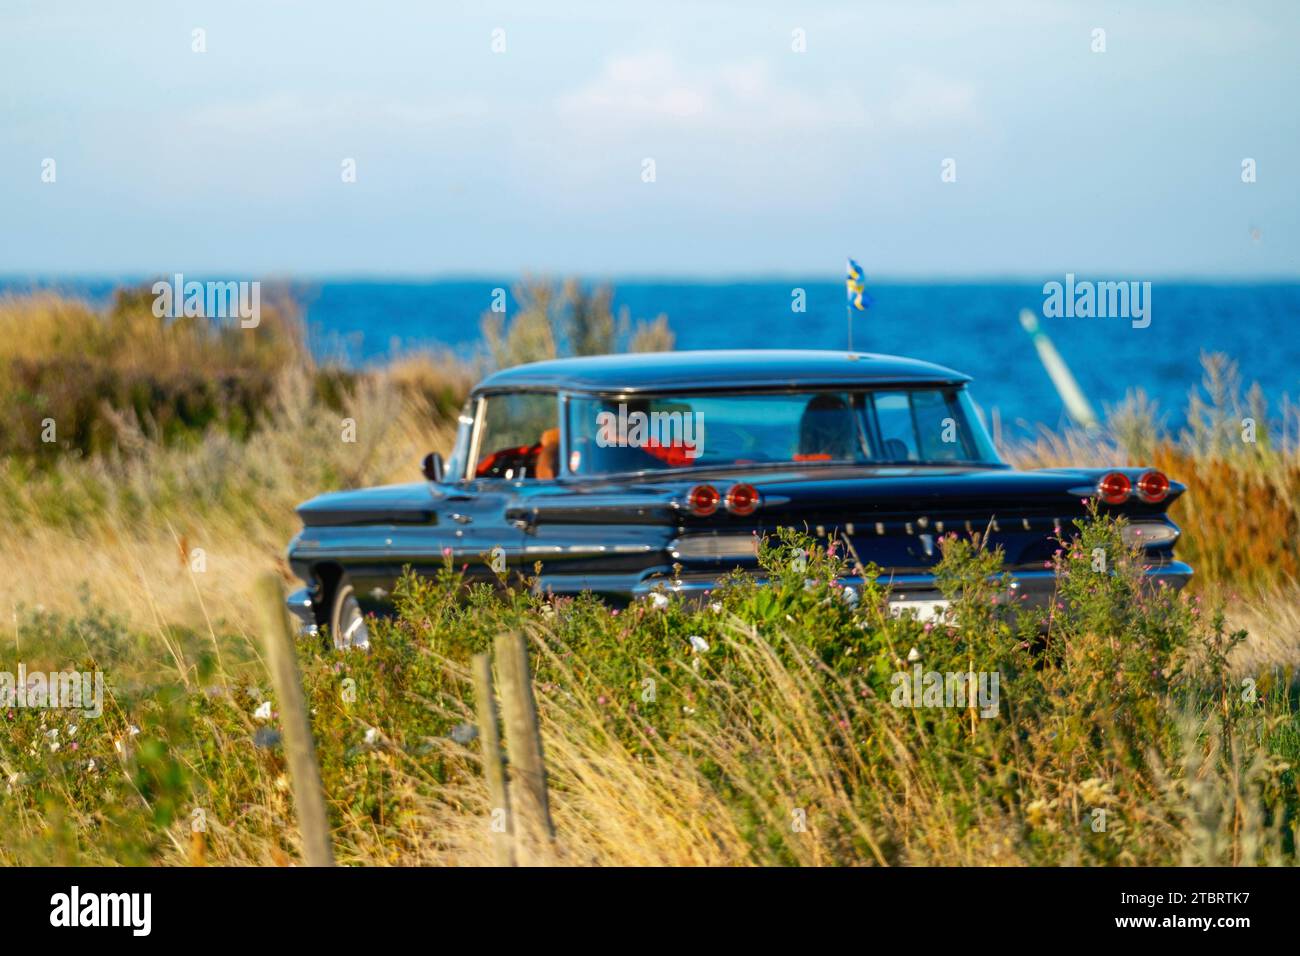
{"points": [[1145, 730]]}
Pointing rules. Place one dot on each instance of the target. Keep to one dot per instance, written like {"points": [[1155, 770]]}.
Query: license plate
{"points": [[924, 610]]}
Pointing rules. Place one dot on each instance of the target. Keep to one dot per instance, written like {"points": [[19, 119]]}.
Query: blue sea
{"points": [[970, 326]]}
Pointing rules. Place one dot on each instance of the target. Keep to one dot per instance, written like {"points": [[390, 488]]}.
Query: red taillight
{"points": [[703, 500], [1152, 487], [1114, 488], [742, 499]]}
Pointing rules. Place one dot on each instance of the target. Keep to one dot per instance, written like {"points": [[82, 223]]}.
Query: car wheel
{"points": [[348, 627]]}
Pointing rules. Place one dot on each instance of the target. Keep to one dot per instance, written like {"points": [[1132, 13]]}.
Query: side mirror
{"points": [[432, 466]]}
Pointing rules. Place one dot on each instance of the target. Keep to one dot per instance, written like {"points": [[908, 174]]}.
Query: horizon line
{"points": [[668, 278]]}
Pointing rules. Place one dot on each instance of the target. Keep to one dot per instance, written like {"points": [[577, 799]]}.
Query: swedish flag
{"points": [[857, 288]]}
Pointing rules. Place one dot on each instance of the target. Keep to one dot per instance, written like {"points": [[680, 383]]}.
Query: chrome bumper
{"points": [[303, 609], [1030, 588]]}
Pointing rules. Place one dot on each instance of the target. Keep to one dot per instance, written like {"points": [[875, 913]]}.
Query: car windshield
{"points": [[895, 426]]}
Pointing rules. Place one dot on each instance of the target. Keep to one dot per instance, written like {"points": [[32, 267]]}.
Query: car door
{"points": [[513, 447]]}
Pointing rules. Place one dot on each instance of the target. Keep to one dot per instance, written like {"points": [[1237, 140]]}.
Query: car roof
{"points": [[719, 370]]}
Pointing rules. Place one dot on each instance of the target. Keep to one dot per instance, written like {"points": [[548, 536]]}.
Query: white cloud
{"points": [[927, 100], [652, 87], [636, 87]]}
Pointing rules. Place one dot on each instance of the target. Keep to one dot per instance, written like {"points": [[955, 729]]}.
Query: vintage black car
{"points": [[634, 475]]}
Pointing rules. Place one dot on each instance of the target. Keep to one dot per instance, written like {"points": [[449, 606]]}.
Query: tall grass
{"points": [[1240, 516], [551, 320], [170, 526], [760, 729], [78, 382]]}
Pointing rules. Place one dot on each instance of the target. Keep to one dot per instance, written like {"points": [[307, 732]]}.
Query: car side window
{"points": [[896, 427], [939, 428], [519, 436]]}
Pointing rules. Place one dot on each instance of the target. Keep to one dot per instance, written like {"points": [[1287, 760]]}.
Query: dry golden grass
{"points": [[1240, 515], [1271, 617], [786, 742], [804, 789], [127, 533], [46, 326]]}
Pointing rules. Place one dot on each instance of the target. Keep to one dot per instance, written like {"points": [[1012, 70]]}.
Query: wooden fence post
{"points": [[300, 751], [532, 813], [494, 767]]}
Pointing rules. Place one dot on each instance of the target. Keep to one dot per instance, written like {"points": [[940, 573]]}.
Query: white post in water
{"points": [[1060, 374]]}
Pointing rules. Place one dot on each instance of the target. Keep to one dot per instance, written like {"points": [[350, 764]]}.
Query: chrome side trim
{"points": [[1150, 534]]}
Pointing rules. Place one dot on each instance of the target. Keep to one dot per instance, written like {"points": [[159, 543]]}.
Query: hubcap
{"points": [[352, 633]]}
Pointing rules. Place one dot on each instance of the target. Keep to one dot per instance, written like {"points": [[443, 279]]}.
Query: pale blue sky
{"points": [[1123, 163]]}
